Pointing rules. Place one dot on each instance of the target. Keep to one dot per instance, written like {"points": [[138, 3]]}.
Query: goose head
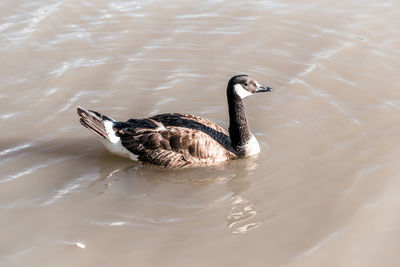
{"points": [[243, 86]]}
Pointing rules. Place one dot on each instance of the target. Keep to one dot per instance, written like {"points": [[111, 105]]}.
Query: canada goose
{"points": [[181, 140]]}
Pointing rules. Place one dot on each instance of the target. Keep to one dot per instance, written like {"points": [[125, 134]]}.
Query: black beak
{"points": [[263, 89]]}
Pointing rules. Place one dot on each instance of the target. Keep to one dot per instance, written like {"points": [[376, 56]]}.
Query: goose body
{"points": [[181, 140]]}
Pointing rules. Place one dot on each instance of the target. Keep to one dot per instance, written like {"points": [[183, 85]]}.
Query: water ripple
{"points": [[80, 62], [15, 256], [9, 115], [5, 26], [322, 242], [37, 17], [70, 187], [15, 149], [30, 170], [108, 224], [70, 103], [60, 194]]}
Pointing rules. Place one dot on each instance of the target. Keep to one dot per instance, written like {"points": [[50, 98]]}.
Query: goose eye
{"points": [[246, 84]]}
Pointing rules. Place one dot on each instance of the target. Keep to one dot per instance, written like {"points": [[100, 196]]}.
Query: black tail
{"points": [[94, 121]]}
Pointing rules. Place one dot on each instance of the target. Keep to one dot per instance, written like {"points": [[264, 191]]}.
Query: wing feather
{"points": [[176, 140]]}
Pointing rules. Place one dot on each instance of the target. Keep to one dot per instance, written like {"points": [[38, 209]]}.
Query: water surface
{"points": [[324, 190]]}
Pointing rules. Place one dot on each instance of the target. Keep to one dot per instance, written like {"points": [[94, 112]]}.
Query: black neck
{"points": [[238, 126]]}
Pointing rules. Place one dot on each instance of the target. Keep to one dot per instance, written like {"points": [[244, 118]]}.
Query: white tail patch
{"points": [[108, 125], [240, 91], [113, 143]]}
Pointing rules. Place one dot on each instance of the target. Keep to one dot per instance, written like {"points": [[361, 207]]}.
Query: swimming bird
{"points": [[181, 140]]}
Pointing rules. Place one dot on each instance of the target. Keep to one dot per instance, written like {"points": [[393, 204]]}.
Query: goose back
{"points": [[176, 140]]}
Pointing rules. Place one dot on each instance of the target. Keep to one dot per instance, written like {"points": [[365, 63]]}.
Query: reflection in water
{"points": [[236, 176], [154, 174], [242, 210], [240, 214]]}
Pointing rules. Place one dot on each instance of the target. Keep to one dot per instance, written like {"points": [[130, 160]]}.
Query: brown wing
{"points": [[194, 122], [179, 140]]}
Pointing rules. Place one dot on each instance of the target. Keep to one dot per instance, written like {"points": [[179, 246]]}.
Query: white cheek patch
{"points": [[240, 91]]}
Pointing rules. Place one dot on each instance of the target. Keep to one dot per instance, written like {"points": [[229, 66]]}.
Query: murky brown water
{"points": [[323, 192]]}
